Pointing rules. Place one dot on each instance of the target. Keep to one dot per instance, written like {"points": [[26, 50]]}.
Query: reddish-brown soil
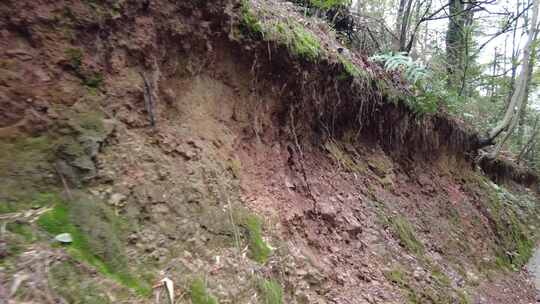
{"points": [[353, 216]]}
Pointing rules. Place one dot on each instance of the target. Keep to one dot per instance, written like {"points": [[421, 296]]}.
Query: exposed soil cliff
{"points": [[178, 139]]}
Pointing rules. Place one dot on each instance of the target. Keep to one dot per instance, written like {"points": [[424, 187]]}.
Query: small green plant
{"points": [[412, 70], [199, 293], [463, 298], [304, 43], [271, 292], [258, 248], [440, 277], [75, 58], [89, 79], [425, 96], [293, 35], [328, 4], [397, 276], [249, 20], [350, 68], [404, 230], [93, 80]]}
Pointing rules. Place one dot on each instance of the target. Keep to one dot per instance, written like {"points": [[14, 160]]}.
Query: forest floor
{"points": [[233, 193]]}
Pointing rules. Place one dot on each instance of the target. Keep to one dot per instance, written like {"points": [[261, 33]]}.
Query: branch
{"points": [[505, 29]]}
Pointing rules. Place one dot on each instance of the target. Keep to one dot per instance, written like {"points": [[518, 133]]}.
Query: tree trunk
{"points": [[519, 94], [399, 22], [405, 26], [455, 41], [530, 142]]}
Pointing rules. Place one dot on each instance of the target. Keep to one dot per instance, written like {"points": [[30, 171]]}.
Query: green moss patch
{"points": [[95, 232], [300, 41], [350, 68], [406, 234]]}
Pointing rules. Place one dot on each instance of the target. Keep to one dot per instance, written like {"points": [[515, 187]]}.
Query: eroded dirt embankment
{"points": [[361, 200]]}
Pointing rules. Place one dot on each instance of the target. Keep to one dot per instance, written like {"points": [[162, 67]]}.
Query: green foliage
{"points": [[94, 231], [304, 43], [21, 229], [249, 20], [75, 58], [350, 68], [427, 102], [404, 231], [258, 248], [199, 293], [462, 297], [293, 35], [67, 279], [271, 292], [440, 277], [329, 4], [93, 80], [412, 70], [514, 244], [426, 95]]}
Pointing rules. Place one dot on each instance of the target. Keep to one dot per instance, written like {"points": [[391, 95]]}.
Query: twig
{"points": [[148, 99], [64, 182]]}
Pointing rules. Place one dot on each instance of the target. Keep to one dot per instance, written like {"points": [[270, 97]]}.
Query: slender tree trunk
{"points": [[530, 142], [454, 41], [405, 26], [520, 109], [519, 97], [399, 22]]}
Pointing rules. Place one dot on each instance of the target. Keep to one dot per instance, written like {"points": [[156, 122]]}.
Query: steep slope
{"points": [[187, 140]]}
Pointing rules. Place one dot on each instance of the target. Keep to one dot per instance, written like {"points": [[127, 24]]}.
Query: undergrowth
{"points": [[199, 293], [94, 232], [271, 292], [350, 68], [404, 230], [259, 250], [91, 79], [63, 279], [300, 42], [437, 291], [514, 242]]}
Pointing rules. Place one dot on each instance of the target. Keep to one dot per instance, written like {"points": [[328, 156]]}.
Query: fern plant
{"points": [[412, 70], [426, 96]]}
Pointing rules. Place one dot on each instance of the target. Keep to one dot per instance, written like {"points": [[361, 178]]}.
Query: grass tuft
{"points": [[271, 291], [404, 230], [199, 293], [259, 250]]}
